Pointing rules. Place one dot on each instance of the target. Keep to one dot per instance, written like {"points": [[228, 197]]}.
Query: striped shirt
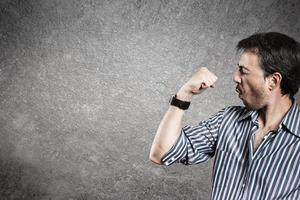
{"points": [[272, 172]]}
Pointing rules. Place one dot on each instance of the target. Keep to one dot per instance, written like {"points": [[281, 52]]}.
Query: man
{"points": [[256, 147]]}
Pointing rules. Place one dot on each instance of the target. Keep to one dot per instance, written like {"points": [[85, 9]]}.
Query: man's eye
{"points": [[242, 71]]}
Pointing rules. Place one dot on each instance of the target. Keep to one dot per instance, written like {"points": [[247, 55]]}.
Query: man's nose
{"points": [[236, 77]]}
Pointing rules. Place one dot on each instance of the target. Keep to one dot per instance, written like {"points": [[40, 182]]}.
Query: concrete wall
{"points": [[84, 85]]}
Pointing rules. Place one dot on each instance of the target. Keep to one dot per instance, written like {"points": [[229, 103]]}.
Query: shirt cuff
{"points": [[178, 151]]}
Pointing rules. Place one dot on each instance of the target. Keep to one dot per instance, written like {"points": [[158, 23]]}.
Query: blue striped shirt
{"points": [[272, 172]]}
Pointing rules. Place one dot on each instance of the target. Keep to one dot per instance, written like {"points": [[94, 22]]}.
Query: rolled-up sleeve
{"points": [[195, 144]]}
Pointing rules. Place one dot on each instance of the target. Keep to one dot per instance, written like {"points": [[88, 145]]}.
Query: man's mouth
{"points": [[238, 90]]}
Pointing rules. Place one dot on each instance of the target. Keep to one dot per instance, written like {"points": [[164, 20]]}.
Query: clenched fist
{"points": [[200, 81]]}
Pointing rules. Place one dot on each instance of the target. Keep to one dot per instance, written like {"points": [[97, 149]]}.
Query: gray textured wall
{"points": [[84, 85]]}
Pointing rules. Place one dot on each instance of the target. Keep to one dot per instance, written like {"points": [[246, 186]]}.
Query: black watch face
{"points": [[180, 104]]}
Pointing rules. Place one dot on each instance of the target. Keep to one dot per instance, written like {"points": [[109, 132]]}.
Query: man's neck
{"points": [[271, 115]]}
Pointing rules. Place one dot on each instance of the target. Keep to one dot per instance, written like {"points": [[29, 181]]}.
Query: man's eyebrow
{"points": [[242, 66]]}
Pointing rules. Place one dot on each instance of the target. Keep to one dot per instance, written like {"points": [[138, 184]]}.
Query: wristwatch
{"points": [[184, 105]]}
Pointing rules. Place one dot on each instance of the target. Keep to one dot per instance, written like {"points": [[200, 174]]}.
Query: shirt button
{"points": [[243, 185]]}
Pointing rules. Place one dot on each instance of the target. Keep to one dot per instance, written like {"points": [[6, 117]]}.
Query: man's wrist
{"points": [[183, 105], [183, 95]]}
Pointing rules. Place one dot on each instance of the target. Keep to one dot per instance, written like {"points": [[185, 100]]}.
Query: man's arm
{"points": [[170, 127]]}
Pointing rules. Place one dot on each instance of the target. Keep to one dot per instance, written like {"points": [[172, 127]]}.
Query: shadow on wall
{"points": [[20, 180], [297, 97], [24, 181]]}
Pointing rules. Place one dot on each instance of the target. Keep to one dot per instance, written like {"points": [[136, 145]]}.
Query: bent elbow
{"points": [[155, 159]]}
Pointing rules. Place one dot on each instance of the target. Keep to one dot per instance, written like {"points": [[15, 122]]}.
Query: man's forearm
{"points": [[170, 127], [167, 133], [168, 130]]}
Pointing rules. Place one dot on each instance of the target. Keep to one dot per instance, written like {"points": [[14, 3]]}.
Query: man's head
{"points": [[269, 61]]}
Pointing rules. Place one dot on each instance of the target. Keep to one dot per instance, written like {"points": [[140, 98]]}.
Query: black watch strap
{"points": [[184, 105]]}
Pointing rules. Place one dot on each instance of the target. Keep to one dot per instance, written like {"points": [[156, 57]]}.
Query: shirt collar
{"points": [[248, 113], [291, 120]]}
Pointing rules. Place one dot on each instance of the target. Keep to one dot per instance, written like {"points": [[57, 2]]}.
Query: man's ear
{"points": [[274, 80]]}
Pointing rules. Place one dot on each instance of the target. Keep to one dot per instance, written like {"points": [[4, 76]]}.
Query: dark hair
{"points": [[277, 53]]}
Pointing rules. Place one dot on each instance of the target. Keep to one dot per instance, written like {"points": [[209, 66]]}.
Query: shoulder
{"points": [[235, 109], [228, 113], [236, 112]]}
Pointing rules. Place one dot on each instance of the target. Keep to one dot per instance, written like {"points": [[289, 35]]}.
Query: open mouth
{"points": [[238, 90]]}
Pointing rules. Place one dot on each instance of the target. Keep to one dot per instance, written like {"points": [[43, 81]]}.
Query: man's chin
{"points": [[240, 96], [246, 104], [250, 106]]}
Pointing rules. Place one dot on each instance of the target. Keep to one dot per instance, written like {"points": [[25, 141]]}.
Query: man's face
{"points": [[251, 86]]}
